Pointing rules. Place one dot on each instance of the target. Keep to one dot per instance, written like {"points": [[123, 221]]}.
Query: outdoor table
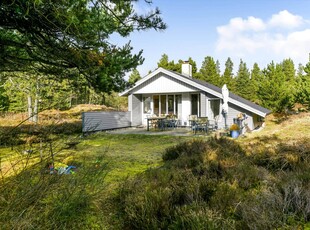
{"points": [[150, 119]]}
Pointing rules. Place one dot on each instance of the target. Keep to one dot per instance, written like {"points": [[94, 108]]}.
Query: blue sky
{"points": [[254, 31]]}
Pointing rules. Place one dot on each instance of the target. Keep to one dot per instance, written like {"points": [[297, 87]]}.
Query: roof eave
{"points": [[196, 85], [141, 81]]}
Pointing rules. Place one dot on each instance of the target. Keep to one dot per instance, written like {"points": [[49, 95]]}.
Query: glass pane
{"points": [[194, 104], [170, 104], [156, 104], [147, 104], [163, 104], [178, 107], [214, 108]]}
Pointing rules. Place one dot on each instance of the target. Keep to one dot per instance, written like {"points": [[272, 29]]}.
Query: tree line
{"points": [[278, 87], [21, 92], [58, 53]]}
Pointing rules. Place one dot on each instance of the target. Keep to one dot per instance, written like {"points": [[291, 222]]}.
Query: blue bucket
{"points": [[234, 133]]}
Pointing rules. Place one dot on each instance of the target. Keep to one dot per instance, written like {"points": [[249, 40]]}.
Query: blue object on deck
{"points": [[234, 133]]}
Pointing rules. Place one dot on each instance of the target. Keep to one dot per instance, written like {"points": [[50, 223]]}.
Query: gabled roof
{"points": [[206, 87]]}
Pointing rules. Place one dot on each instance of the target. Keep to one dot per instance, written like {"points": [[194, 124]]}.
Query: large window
{"points": [[147, 105], [167, 104]]}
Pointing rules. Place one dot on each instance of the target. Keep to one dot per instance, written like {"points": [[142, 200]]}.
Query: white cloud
{"points": [[239, 25], [297, 43], [284, 35], [285, 19]]}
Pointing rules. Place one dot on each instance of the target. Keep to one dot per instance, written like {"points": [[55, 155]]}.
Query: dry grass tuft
{"points": [[280, 128]]}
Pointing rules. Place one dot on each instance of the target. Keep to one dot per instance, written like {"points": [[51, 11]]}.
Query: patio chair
{"points": [[201, 125], [171, 121], [213, 124], [162, 124], [192, 119]]}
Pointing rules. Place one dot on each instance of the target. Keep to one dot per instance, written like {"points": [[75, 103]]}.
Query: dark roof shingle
{"points": [[231, 95]]}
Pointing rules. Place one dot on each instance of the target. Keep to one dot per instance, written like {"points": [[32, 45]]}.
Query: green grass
{"points": [[127, 155], [31, 198], [121, 178]]}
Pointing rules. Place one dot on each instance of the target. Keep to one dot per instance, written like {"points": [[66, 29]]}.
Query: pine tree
{"points": [[208, 71], [228, 76], [273, 91], [134, 77], [58, 37], [289, 70], [169, 65], [176, 67], [300, 70], [244, 86], [302, 93], [256, 79], [163, 62]]}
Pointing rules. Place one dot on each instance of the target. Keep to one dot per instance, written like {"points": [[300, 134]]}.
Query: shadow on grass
{"points": [[33, 133]]}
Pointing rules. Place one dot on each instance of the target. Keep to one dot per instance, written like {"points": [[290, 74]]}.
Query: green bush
{"points": [[187, 179], [190, 148], [214, 185]]}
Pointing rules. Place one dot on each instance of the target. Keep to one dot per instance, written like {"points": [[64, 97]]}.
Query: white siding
{"points": [[233, 112], [97, 121], [129, 102], [163, 84], [203, 105], [186, 108], [136, 113]]}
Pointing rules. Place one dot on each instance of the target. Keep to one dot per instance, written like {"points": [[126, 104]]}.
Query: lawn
{"points": [[104, 162], [31, 198], [126, 155]]}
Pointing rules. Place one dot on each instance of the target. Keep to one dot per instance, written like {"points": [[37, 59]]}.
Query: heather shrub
{"points": [[214, 184], [170, 196], [190, 148]]}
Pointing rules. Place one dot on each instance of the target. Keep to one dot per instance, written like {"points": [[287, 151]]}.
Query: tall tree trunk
{"points": [[30, 108], [35, 110], [36, 102]]}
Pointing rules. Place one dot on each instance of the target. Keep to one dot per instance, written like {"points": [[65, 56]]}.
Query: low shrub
{"points": [[285, 156], [214, 184], [190, 148]]}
